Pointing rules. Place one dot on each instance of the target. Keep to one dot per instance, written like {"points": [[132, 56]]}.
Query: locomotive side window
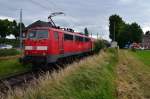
{"points": [[68, 37], [87, 39], [56, 36], [79, 38]]}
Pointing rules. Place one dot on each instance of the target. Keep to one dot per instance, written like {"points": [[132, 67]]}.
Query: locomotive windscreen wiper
{"points": [[32, 34]]}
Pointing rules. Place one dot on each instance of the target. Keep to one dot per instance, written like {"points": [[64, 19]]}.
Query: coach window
{"points": [[56, 36], [68, 37]]}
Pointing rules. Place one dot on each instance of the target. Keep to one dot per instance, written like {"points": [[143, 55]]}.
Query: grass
{"points": [[9, 63], [11, 67], [9, 52], [144, 56], [91, 78], [133, 76], [109, 75]]}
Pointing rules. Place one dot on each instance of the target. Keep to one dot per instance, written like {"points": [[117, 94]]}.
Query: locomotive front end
{"points": [[36, 46]]}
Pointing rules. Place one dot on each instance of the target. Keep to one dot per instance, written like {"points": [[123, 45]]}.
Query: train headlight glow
{"points": [[28, 47], [42, 48]]}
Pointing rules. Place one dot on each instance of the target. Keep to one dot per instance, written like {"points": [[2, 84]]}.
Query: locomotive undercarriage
{"points": [[41, 61]]}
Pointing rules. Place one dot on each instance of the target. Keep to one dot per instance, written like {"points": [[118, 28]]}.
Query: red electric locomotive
{"points": [[47, 44]]}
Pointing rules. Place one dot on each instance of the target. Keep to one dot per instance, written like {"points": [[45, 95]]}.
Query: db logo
{"points": [[34, 47]]}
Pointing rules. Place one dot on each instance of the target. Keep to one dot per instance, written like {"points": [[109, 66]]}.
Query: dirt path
{"points": [[133, 80]]}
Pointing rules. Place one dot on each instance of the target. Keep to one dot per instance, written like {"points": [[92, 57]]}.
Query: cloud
{"points": [[10, 36], [146, 28], [93, 14], [5, 17], [127, 1]]}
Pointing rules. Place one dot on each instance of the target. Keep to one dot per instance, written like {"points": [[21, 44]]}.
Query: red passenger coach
{"points": [[48, 44]]}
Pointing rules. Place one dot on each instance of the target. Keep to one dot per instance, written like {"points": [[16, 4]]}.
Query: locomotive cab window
{"points": [[42, 34], [68, 37], [38, 34], [32, 34]]}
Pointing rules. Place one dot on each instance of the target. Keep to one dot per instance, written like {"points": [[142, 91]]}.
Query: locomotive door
{"points": [[61, 43]]}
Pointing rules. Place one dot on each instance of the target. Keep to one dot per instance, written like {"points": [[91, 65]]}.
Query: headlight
{"points": [[28, 47], [42, 48]]}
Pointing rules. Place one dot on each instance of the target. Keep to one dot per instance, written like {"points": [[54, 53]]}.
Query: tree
{"points": [[124, 36], [10, 27], [17, 29], [124, 33], [86, 32], [4, 27], [136, 33], [115, 26], [147, 33]]}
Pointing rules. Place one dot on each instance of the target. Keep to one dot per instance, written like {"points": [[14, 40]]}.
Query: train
{"points": [[47, 44]]}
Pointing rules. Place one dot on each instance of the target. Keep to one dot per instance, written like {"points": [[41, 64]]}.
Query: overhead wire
{"points": [[71, 24], [40, 5], [47, 8], [55, 6]]}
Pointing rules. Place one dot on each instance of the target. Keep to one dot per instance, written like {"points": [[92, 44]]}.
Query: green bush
{"points": [[13, 42], [8, 52], [98, 45]]}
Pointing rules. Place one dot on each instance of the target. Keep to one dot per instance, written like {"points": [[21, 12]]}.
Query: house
{"points": [[146, 41]]}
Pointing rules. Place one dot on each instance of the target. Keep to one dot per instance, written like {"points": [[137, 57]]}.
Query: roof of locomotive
{"points": [[45, 25], [60, 30]]}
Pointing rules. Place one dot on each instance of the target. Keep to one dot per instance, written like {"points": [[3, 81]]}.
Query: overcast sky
{"points": [[93, 14]]}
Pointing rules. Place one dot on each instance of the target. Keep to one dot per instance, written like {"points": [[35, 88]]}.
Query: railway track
{"points": [[22, 79], [15, 81]]}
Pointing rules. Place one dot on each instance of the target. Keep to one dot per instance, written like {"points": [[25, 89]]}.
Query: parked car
{"points": [[5, 46]]}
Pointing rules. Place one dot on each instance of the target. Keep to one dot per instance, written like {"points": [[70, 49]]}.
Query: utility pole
{"points": [[97, 35], [114, 31], [20, 29], [114, 44]]}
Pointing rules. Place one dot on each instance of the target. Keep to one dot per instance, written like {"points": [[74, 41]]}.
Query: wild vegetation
{"points": [[91, 78], [98, 45], [108, 75]]}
